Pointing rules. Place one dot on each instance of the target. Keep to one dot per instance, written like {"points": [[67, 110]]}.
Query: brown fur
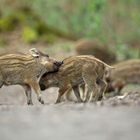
{"points": [[25, 70], [94, 47], [126, 72], [74, 71]]}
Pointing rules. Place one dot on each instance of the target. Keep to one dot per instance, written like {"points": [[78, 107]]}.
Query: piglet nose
{"points": [[58, 63]]}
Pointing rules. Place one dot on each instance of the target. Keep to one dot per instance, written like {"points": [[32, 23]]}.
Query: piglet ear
{"points": [[34, 52]]}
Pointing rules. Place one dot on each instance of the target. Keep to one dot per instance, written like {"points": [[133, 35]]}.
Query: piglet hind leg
{"points": [[1, 80], [95, 95], [1, 84], [92, 92], [102, 85], [77, 93], [89, 77]]}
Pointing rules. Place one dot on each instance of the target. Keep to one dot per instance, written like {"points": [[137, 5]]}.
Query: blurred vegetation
{"points": [[114, 22]]}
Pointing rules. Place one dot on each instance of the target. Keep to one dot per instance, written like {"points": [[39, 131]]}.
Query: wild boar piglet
{"points": [[26, 70], [125, 72], [77, 70]]}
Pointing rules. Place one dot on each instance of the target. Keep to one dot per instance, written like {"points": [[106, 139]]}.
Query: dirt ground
{"points": [[116, 118], [69, 121]]}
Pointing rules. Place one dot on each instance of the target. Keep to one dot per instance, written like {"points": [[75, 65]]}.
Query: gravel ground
{"points": [[67, 120]]}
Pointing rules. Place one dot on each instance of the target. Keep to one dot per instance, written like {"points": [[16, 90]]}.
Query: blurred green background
{"points": [[115, 23]]}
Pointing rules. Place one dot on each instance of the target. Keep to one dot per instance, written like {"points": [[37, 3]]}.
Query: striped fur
{"points": [[76, 70], [125, 72], [25, 70]]}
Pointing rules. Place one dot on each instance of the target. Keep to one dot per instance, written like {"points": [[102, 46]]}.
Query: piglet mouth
{"points": [[58, 63], [52, 70]]}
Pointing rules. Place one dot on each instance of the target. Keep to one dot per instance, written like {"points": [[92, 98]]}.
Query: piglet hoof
{"points": [[80, 101], [40, 100], [100, 98], [30, 103], [94, 101], [58, 101], [85, 101]]}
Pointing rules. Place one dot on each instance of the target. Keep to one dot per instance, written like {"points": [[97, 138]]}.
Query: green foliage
{"points": [[121, 20], [71, 16], [64, 15], [6, 24], [114, 22], [29, 34]]}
